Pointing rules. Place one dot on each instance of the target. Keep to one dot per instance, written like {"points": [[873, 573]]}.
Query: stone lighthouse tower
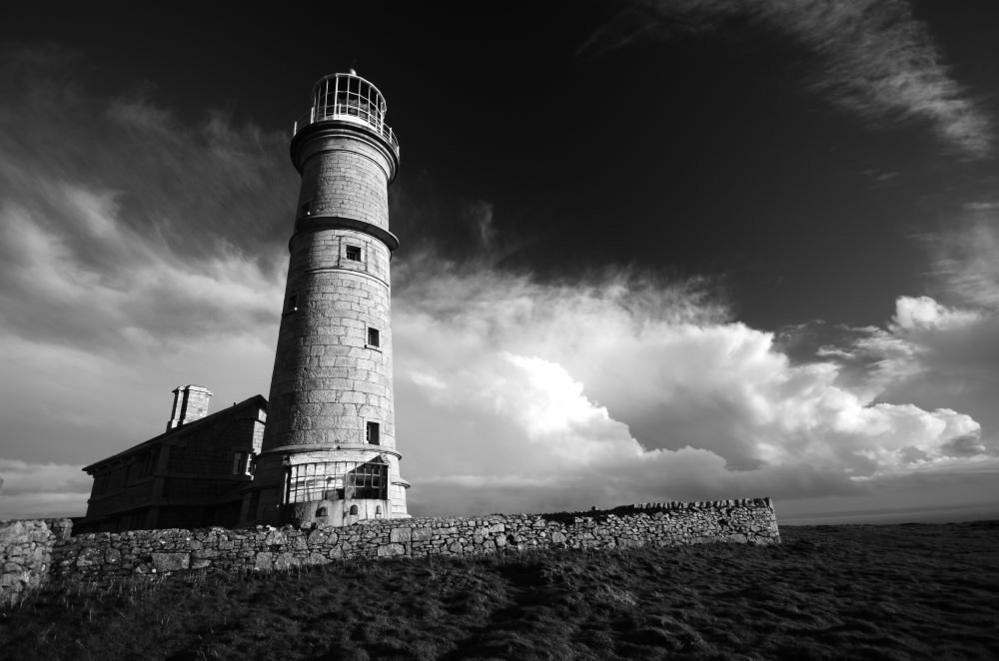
{"points": [[328, 452]]}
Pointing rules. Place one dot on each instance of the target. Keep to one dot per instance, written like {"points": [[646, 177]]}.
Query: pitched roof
{"points": [[257, 401]]}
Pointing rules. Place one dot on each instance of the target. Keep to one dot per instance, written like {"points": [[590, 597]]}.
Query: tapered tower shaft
{"points": [[329, 450]]}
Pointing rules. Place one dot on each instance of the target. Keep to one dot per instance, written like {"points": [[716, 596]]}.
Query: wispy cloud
{"points": [[121, 225], [966, 257], [874, 58], [137, 252]]}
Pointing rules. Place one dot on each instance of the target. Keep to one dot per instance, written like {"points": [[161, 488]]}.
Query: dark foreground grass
{"points": [[885, 592]]}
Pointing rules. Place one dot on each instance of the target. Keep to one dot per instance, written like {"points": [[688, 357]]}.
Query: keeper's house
{"points": [[192, 475]]}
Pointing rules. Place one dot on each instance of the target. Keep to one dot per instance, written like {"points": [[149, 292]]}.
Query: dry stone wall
{"points": [[104, 557], [26, 554]]}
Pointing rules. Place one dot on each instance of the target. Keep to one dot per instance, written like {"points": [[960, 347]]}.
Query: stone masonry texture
{"points": [[26, 555], [330, 381], [348, 179], [327, 380], [34, 551]]}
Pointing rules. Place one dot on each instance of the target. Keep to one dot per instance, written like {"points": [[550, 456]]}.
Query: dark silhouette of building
{"points": [[192, 475]]}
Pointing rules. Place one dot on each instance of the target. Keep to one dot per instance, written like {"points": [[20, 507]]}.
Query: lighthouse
{"points": [[329, 453]]}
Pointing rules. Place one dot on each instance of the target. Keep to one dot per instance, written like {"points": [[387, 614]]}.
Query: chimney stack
{"points": [[190, 403]]}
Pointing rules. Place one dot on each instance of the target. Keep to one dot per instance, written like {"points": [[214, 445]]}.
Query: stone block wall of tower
{"points": [[353, 185], [329, 452], [328, 381]]}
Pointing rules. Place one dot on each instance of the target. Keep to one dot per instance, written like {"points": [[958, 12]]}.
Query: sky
{"points": [[678, 250]]}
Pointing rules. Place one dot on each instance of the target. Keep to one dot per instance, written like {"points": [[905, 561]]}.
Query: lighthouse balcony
{"points": [[350, 114]]}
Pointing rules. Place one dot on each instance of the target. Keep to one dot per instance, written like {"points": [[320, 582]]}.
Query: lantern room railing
{"points": [[346, 97]]}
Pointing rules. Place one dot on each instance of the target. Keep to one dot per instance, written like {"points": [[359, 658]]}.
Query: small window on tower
{"points": [[354, 253], [306, 209], [373, 433], [292, 304], [374, 340]]}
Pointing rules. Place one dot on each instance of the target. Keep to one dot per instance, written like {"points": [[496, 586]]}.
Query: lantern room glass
{"points": [[348, 97]]}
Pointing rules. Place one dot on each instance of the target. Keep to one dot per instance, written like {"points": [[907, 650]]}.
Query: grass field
{"points": [[845, 592]]}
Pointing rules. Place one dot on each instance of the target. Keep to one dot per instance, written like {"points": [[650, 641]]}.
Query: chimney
{"points": [[190, 403]]}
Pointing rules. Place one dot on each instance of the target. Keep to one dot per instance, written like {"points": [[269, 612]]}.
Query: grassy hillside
{"points": [[908, 591]]}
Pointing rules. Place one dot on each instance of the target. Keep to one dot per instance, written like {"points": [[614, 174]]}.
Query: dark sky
{"points": [[761, 233], [692, 150]]}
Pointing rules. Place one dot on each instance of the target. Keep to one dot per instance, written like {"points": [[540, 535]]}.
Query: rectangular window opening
{"points": [[354, 253], [239, 463], [373, 434], [306, 209], [292, 304], [374, 340]]}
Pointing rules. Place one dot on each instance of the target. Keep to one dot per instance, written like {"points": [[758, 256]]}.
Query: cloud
{"points": [[21, 477], [480, 215], [966, 258], [79, 404], [41, 489], [981, 206], [922, 313], [516, 393], [187, 183], [121, 225], [83, 275], [926, 337], [928, 353], [140, 252], [875, 59]]}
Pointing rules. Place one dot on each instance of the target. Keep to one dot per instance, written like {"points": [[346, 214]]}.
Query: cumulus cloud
{"points": [[956, 344], [926, 354], [927, 338], [875, 59], [140, 253], [922, 313], [617, 390]]}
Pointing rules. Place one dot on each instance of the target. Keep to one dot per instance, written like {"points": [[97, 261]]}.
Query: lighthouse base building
{"points": [[203, 470], [193, 475]]}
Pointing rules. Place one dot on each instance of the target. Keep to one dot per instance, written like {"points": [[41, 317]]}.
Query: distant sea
{"points": [[922, 514]]}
